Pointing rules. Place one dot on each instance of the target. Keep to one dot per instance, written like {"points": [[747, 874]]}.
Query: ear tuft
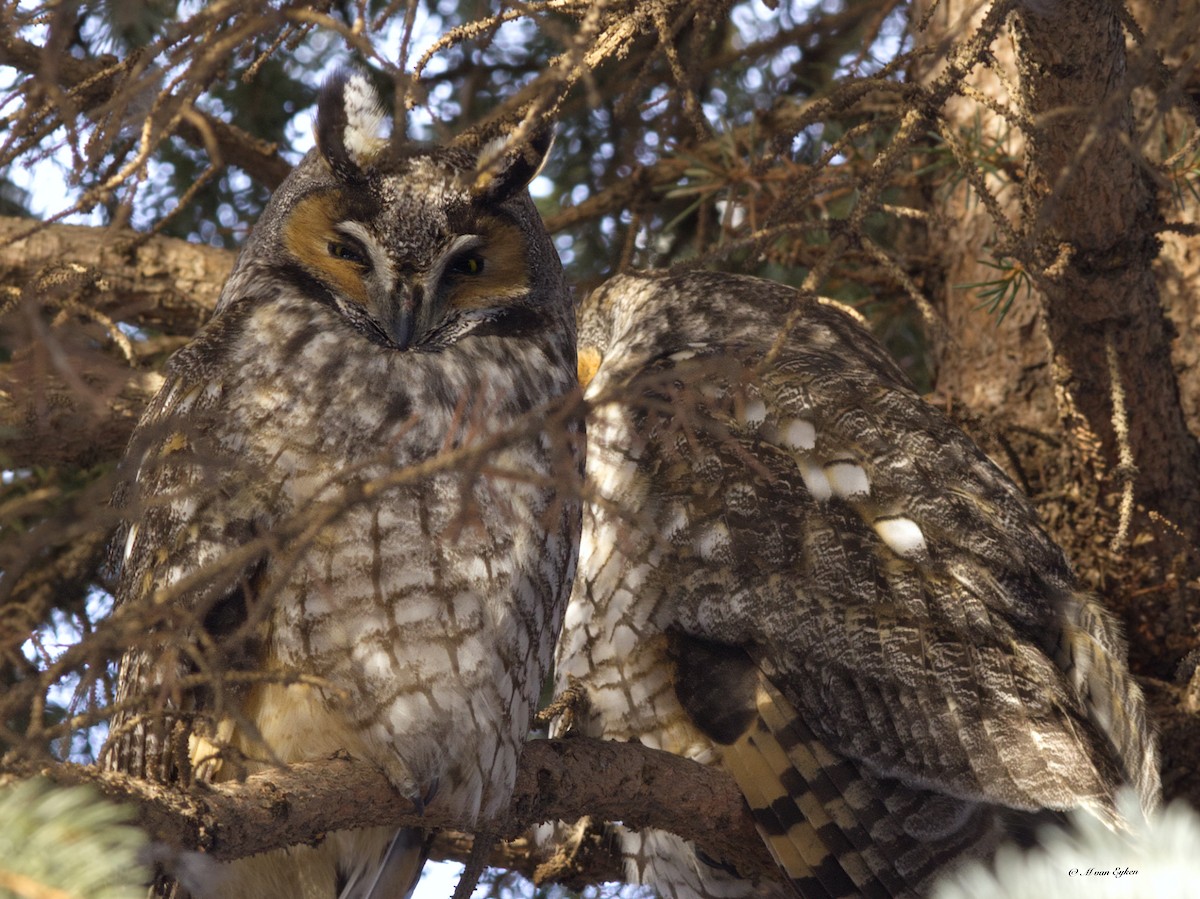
{"points": [[503, 168], [351, 123]]}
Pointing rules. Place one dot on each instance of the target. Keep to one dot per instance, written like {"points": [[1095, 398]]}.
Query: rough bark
{"points": [[1164, 53], [1057, 139], [73, 386], [993, 364], [1095, 222], [1083, 207], [557, 780]]}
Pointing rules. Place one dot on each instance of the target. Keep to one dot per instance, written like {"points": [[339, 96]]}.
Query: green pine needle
{"points": [[59, 842]]}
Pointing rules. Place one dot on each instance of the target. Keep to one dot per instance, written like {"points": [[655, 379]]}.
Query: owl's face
{"points": [[414, 248]]}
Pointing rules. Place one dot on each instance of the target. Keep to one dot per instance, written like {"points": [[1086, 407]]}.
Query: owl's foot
{"points": [[422, 798], [566, 708]]}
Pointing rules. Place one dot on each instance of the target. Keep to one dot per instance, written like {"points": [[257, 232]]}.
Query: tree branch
{"points": [[556, 780], [162, 284], [99, 80]]}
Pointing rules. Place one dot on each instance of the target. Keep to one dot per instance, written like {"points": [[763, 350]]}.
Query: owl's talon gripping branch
{"points": [[421, 800], [309, 496]]}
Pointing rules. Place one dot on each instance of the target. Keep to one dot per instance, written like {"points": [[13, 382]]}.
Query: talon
{"points": [[421, 802], [568, 707]]}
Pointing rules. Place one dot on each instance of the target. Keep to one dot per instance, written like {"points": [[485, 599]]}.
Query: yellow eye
{"points": [[346, 252], [468, 264]]}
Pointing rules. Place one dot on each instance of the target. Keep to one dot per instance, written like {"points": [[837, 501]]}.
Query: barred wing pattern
{"points": [[794, 568]]}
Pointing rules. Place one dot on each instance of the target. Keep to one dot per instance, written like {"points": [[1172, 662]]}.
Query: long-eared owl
{"points": [[794, 568], [353, 507]]}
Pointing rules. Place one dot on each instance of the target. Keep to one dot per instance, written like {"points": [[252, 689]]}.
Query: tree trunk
{"points": [[1092, 225]]}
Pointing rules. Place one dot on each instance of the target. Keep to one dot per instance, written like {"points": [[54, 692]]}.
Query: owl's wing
{"points": [[929, 594], [910, 646], [190, 556]]}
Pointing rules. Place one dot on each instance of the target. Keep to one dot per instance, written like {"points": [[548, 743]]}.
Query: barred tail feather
{"points": [[835, 829], [783, 793], [1092, 653]]}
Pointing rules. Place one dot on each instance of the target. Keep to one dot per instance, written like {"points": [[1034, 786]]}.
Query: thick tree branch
{"points": [[164, 281], [557, 780], [57, 287]]}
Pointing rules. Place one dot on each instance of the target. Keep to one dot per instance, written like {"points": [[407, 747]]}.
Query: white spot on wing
{"points": [[847, 479], [815, 480], [713, 541], [902, 535], [754, 412], [799, 434]]}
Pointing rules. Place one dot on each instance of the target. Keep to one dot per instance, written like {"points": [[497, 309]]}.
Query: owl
{"points": [[795, 569], [353, 507]]}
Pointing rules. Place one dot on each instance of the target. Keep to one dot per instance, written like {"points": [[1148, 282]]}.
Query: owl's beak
{"points": [[399, 319]]}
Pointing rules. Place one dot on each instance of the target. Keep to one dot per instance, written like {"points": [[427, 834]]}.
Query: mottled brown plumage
{"points": [[796, 569], [355, 474]]}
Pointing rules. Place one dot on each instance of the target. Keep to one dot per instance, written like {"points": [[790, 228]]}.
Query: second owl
{"points": [[796, 569]]}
